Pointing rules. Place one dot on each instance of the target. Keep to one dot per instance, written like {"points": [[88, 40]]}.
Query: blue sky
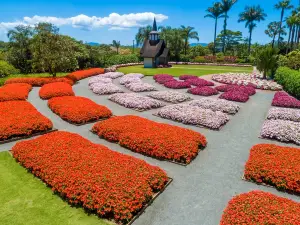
{"points": [[103, 29]]}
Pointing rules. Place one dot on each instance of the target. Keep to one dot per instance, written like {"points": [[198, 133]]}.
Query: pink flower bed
{"points": [[228, 87], [235, 95], [203, 91], [199, 82], [177, 84], [283, 99], [163, 78], [186, 77]]}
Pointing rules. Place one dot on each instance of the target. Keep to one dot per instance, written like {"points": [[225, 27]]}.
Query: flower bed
{"points": [[105, 88], [38, 81], [281, 130], [216, 105], [78, 110], [186, 77], [175, 84], [235, 95], [14, 92], [99, 79], [111, 184], [244, 88], [135, 101], [193, 115], [81, 74], [199, 82], [158, 140], [284, 114], [169, 96], [161, 76], [131, 78], [283, 99], [245, 79], [56, 90], [140, 87], [113, 75], [20, 118], [274, 165], [203, 91], [261, 208]]}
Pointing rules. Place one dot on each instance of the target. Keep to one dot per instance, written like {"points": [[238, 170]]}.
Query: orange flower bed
{"points": [[14, 92], [274, 165], [113, 185], [158, 140], [56, 90], [261, 208], [81, 74], [78, 110], [38, 81], [20, 118]]}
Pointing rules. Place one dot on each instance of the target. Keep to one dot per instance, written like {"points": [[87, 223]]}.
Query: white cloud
{"points": [[114, 21]]}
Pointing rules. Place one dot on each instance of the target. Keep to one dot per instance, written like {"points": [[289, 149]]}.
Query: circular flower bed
{"points": [[203, 91]]}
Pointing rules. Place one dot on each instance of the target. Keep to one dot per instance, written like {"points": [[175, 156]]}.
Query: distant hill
{"points": [[196, 44], [93, 43]]}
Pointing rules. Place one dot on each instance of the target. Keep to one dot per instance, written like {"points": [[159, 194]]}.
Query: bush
{"points": [[289, 79], [185, 58], [199, 59], [122, 59], [7, 69], [293, 60]]}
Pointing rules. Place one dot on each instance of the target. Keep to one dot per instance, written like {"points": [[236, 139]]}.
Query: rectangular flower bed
{"points": [[199, 82], [163, 78], [105, 182], [274, 165], [158, 140], [203, 91], [281, 130], [78, 110], [261, 208], [21, 119], [193, 115], [170, 96], [81, 74], [284, 114], [39, 81], [105, 88], [216, 105], [14, 92], [283, 99], [56, 90], [140, 87], [235, 95], [175, 84], [250, 90], [135, 101], [100, 79], [113, 75]]}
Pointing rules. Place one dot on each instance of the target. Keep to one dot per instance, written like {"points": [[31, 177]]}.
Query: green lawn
{"points": [[3, 79], [25, 200], [178, 70]]}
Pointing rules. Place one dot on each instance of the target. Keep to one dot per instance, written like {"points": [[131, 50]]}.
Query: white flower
{"points": [[105, 88], [131, 78], [113, 75], [284, 114], [140, 87], [99, 79], [170, 96]]}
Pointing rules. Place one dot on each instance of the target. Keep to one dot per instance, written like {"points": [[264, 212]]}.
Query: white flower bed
{"points": [[245, 79], [135, 101], [140, 87], [105, 88], [131, 78], [99, 79], [216, 105], [193, 115], [284, 114], [281, 130], [170, 96], [113, 75]]}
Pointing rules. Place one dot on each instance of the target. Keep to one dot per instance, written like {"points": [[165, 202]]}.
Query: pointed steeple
{"points": [[154, 28]]}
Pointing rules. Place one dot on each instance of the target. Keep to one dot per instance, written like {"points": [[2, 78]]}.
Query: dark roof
{"points": [[154, 27], [151, 50], [165, 53]]}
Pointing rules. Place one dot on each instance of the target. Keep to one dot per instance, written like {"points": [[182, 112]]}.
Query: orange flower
{"points": [[13, 92], [38, 81], [81, 74], [56, 90]]}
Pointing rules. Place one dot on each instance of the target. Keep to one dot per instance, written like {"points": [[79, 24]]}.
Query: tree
{"points": [[274, 30], [215, 12], [226, 5], [165, 33], [142, 34], [232, 40], [250, 15], [282, 5], [176, 43], [116, 44], [188, 33], [267, 61]]}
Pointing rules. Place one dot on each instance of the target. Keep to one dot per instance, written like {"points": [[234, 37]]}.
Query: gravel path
{"points": [[200, 191]]}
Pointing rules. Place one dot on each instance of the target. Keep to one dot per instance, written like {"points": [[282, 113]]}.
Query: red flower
{"points": [[203, 91], [38, 81], [235, 95], [11, 92], [81, 74], [283, 99], [56, 90]]}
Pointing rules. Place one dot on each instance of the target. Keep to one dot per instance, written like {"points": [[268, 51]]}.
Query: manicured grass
{"points": [[3, 79], [25, 200], [178, 70]]}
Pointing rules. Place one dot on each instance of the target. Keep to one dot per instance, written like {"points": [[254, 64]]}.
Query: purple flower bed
{"points": [[284, 114], [199, 82], [185, 77], [235, 95], [177, 84], [283, 99], [203, 91]]}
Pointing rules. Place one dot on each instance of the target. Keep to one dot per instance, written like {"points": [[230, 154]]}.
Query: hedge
{"points": [[289, 79], [123, 59]]}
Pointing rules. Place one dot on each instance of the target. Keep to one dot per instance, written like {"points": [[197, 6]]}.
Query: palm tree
{"points": [[117, 45], [290, 24], [188, 33], [226, 5], [215, 12], [250, 15], [274, 30], [142, 34], [165, 33], [283, 5], [267, 61]]}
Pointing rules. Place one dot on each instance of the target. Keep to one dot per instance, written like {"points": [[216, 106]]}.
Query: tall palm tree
{"points": [[165, 33], [283, 5], [226, 5], [117, 45], [142, 34], [289, 23], [188, 33], [250, 15], [274, 30], [215, 12]]}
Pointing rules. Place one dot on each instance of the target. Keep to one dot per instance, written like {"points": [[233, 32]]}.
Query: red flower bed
{"points": [[235, 95], [158, 140], [199, 82], [175, 84], [275, 165], [283, 99], [250, 90], [81, 74], [56, 90], [186, 77], [203, 91], [261, 208], [78, 110], [38, 81], [103, 181], [14, 92], [20, 118], [163, 78]]}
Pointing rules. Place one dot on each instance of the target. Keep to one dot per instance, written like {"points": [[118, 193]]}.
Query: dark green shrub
{"points": [[267, 61], [122, 59], [289, 79], [7, 69], [185, 58]]}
